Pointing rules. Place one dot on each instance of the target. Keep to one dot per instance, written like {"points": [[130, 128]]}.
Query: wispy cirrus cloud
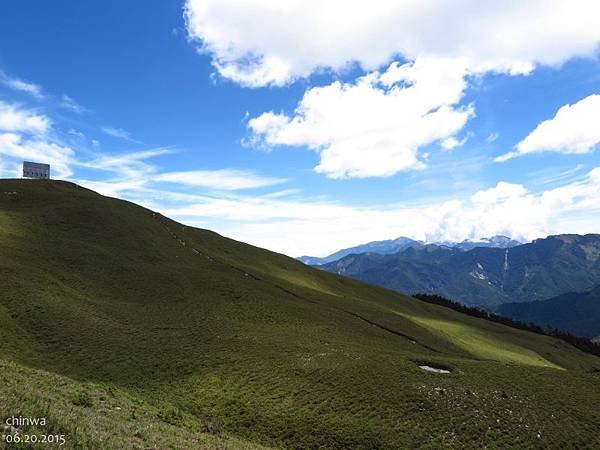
{"points": [[492, 137], [25, 134], [222, 179], [70, 104], [120, 133], [128, 164], [17, 84]]}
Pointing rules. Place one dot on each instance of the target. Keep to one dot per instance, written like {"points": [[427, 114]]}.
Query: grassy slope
{"points": [[114, 296], [106, 418]]}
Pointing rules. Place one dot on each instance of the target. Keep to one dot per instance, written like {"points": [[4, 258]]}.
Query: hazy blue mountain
{"points": [[575, 312], [494, 242], [381, 247], [391, 246], [539, 270]]}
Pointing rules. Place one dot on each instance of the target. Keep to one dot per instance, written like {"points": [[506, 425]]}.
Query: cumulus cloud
{"points": [[365, 128], [574, 129], [15, 118], [223, 179], [374, 126], [258, 42]]}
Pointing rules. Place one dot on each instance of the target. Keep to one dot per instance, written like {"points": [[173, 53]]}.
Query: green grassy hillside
{"points": [[206, 342]]}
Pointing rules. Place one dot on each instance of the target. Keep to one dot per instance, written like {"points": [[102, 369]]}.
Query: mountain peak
{"points": [[385, 247]]}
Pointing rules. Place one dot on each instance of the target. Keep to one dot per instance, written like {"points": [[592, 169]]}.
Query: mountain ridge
{"points": [[390, 246], [381, 247], [484, 276]]}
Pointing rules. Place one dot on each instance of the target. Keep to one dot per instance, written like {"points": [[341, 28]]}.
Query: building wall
{"points": [[36, 170]]}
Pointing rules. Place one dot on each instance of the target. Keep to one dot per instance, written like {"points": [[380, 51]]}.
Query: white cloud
{"points": [[501, 192], [76, 134], [133, 177], [318, 227], [130, 173], [14, 118], [37, 149], [115, 187], [375, 126], [452, 142], [25, 135], [366, 128], [492, 137], [575, 129], [223, 179], [262, 42], [128, 166], [119, 133], [23, 86], [69, 103]]}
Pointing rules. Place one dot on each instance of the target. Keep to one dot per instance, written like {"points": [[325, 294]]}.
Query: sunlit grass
{"points": [[483, 344]]}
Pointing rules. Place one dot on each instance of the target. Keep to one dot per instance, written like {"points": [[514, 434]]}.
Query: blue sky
{"points": [[265, 121]]}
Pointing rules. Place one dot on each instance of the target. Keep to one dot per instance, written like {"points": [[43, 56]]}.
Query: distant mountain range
{"points": [[392, 246], [386, 247], [484, 275], [575, 312]]}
